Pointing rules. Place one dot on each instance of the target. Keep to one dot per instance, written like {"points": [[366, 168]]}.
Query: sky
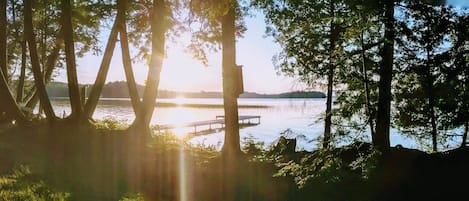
{"points": [[182, 73]]}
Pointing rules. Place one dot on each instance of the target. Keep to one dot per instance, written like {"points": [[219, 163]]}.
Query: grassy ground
{"points": [[99, 163]]}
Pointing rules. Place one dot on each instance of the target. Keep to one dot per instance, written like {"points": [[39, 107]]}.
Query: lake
{"points": [[295, 118]]}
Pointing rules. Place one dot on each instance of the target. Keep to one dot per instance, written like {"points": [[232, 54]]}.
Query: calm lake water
{"points": [[295, 118]]}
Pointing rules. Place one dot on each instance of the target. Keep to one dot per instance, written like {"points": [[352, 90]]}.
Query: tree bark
{"points": [[98, 85], [431, 102], [231, 146], [129, 74], [8, 103], [38, 77], [33, 98], [3, 38], [367, 88], [158, 29], [72, 78], [381, 138], [330, 79], [20, 89]]}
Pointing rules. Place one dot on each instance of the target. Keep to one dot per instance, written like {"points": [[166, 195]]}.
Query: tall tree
{"points": [[159, 24], [419, 95], [98, 85], [8, 103], [38, 75], [72, 78], [231, 146], [3, 37], [311, 50], [454, 84], [126, 60], [220, 23], [381, 137], [356, 98]]}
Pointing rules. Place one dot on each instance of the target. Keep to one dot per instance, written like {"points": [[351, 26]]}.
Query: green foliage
{"points": [[111, 123], [424, 48], [20, 184], [205, 24], [323, 170], [139, 19], [133, 197], [168, 142]]}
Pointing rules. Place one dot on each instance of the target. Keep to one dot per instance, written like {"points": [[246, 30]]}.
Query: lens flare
{"points": [[182, 174]]}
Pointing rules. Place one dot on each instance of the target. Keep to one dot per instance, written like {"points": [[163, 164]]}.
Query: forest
{"points": [[385, 65]]}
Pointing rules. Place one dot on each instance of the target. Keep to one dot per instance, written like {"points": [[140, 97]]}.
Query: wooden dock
{"points": [[219, 120]]}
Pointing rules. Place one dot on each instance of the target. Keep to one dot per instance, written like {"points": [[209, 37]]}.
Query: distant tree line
{"points": [[118, 89]]}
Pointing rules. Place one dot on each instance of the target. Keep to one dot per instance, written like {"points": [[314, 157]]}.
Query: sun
{"points": [[181, 72], [180, 100]]}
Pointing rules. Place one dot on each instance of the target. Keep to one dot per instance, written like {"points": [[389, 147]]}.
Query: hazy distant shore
{"points": [[126, 102], [119, 90]]}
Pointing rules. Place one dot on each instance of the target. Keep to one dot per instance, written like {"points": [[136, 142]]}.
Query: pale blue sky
{"points": [[180, 72]]}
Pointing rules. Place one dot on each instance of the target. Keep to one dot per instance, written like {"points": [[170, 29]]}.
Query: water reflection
{"points": [[297, 115]]}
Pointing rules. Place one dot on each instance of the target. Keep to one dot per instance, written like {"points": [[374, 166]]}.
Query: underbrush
{"points": [[102, 162]]}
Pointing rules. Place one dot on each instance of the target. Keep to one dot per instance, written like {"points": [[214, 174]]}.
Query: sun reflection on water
{"points": [[178, 117]]}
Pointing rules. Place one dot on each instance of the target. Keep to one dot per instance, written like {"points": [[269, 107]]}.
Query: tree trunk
{"points": [[8, 103], [231, 146], [158, 30], [330, 80], [20, 86], [434, 132], [33, 98], [367, 88], [38, 77], [20, 89], [98, 85], [431, 105], [381, 138], [129, 74], [72, 78], [3, 38]]}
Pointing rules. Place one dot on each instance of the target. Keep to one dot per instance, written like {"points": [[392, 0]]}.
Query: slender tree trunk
{"points": [[3, 37], [464, 137], [72, 78], [20, 89], [98, 85], [8, 103], [367, 88], [330, 80], [20, 86], [158, 29], [383, 121], [129, 74], [431, 98], [431, 105], [38, 77], [52, 59], [231, 146]]}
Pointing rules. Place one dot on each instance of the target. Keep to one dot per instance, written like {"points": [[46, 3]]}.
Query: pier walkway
{"points": [[219, 120]]}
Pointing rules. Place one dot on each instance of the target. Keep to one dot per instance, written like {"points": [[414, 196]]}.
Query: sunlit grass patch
{"points": [[19, 184]]}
